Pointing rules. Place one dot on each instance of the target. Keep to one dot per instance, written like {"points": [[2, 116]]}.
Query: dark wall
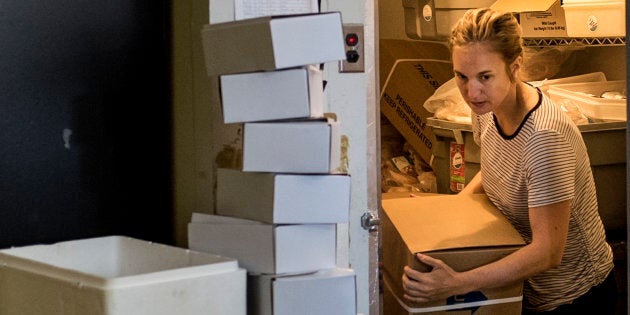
{"points": [[84, 120]]}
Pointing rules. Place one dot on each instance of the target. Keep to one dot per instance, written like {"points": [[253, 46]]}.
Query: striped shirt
{"points": [[544, 162]]}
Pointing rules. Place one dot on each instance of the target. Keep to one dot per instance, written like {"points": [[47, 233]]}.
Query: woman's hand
{"points": [[440, 283]]}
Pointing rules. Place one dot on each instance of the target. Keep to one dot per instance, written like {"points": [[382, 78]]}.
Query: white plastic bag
{"points": [[447, 103]]}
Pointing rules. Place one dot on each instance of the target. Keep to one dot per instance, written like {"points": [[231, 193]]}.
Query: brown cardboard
{"points": [[411, 71], [465, 231], [538, 18]]}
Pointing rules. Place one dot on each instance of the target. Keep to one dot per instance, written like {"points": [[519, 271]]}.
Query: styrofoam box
{"points": [[283, 198], [118, 275], [308, 146], [595, 18], [587, 97], [263, 248], [272, 43], [272, 95], [329, 291]]}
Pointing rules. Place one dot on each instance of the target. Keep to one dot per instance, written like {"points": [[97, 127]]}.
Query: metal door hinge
{"points": [[370, 222]]}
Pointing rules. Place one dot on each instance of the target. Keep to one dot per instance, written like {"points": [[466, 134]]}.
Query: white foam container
{"points": [[118, 275], [586, 97], [595, 18]]}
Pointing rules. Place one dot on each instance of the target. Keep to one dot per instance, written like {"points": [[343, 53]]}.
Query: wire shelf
{"points": [[575, 41]]}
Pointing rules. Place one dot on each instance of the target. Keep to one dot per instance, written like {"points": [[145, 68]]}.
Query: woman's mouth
{"points": [[477, 104]]}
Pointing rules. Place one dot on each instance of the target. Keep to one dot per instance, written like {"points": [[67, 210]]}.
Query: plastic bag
{"points": [[447, 103]]}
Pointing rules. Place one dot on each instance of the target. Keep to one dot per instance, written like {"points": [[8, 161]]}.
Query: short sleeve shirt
{"points": [[544, 162]]}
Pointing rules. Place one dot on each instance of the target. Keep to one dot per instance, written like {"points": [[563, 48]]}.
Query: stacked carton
{"points": [[277, 213]]}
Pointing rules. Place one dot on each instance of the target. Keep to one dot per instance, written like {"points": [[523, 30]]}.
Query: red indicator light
{"points": [[352, 39]]}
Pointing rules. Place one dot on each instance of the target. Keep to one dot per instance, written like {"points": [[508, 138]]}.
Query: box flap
{"points": [[522, 6], [217, 219], [442, 222]]}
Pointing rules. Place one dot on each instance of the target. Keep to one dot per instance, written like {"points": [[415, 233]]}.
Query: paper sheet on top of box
{"points": [[448, 222]]}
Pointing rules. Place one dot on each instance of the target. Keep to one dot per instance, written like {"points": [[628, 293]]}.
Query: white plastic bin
{"points": [[586, 97], [118, 275], [595, 18]]}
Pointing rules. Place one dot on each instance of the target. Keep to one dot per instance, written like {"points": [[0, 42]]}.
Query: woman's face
{"points": [[481, 77]]}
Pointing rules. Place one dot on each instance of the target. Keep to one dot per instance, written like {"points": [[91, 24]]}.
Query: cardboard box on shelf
{"points": [[118, 275], [464, 231], [283, 198], [272, 95], [272, 43], [538, 18], [307, 146], [263, 248], [411, 71], [328, 291]]}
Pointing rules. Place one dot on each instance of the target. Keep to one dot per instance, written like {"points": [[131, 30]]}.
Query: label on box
{"points": [[458, 167]]}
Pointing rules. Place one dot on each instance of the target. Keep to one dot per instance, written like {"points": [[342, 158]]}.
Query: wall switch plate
{"points": [[353, 42]]}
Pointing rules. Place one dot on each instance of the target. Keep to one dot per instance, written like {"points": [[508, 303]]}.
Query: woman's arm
{"points": [[474, 186], [549, 225]]}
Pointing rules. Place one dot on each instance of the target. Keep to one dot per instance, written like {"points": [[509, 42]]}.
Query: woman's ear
{"points": [[515, 67]]}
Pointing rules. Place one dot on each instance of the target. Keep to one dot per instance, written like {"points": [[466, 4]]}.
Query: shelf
{"points": [[575, 41]]}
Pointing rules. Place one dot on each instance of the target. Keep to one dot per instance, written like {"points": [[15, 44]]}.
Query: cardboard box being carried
{"points": [[308, 147], [272, 43], [328, 291], [464, 231], [283, 198], [411, 71], [265, 248], [272, 95], [538, 18]]}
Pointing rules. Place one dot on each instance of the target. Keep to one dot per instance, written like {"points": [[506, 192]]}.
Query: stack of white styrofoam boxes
{"points": [[278, 213], [117, 275]]}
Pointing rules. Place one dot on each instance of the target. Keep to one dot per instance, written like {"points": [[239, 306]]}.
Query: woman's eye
{"points": [[484, 77]]}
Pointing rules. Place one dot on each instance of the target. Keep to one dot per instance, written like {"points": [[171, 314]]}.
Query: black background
{"points": [[99, 69]]}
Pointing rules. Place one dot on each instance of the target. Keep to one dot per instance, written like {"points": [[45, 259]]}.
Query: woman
{"points": [[535, 169]]}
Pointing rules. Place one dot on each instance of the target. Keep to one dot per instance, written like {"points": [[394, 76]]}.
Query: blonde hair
{"points": [[498, 29]]}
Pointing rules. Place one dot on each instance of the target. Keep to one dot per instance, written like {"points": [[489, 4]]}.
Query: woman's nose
{"points": [[473, 89]]}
